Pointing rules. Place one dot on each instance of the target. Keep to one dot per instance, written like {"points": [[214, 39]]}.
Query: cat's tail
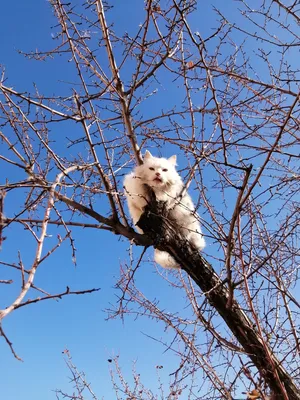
{"points": [[165, 260]]}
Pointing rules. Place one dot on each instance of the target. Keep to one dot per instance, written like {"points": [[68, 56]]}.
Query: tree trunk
{"points": [[154, 223]]}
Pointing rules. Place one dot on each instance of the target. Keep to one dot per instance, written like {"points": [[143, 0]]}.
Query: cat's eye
{"points": [[152, 169], [165, 169]]}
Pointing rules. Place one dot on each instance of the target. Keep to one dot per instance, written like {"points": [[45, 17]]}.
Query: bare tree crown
{"points": [[227, 103]]}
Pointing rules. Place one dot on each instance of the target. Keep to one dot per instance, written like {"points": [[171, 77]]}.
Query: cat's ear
{"points": [[172, 160], [148, 155]]}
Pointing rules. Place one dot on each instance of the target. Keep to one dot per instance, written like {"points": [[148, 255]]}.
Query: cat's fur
{"points": [[160, 174]]}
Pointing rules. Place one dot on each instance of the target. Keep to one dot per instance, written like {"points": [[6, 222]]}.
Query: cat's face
{"points": [[158, 172]]}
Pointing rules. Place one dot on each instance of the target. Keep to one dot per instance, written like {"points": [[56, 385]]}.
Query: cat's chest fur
{"points": [[169, 194]]}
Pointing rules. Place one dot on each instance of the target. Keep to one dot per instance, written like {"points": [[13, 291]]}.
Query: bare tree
{"points": [[82, 388], [231, 113]]}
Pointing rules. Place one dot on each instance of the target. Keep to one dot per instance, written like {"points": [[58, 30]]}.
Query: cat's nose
{"points": [[157, 174]]}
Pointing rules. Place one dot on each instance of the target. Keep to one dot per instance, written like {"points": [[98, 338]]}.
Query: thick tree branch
{"points": [[156, 224]]}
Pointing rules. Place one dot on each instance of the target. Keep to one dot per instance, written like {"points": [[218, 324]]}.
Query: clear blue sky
{"points": [[42, 331]]}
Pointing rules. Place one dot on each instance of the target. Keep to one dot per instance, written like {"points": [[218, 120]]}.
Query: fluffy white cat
{"points": [[160, 174]]}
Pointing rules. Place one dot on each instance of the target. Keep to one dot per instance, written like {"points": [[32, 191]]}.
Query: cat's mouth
{"points": [[157, 179]]}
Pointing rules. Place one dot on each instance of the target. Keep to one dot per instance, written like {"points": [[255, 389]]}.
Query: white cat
{"points": [[160, 174]]}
